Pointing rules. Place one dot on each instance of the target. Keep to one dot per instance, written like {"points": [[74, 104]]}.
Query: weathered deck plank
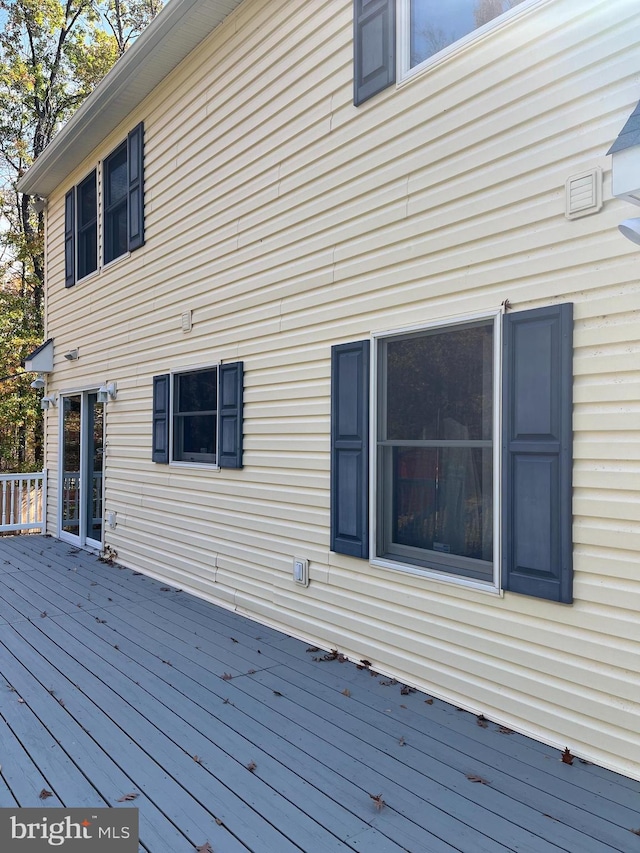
{"points": [[131, 686]]}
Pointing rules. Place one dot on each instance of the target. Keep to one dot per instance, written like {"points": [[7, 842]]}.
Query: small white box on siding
{"points": [[583, 194], [186, 321]]}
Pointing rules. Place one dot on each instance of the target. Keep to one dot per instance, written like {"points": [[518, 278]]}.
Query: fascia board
{"points": [[172, 35]]}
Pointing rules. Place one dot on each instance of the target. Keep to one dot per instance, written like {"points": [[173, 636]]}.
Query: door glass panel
{"points": [[72, 407], [95, 455]]}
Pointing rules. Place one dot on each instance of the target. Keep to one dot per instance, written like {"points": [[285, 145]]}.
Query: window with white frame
{"points": [[410, 34], [195, 416], [435, 448], [429, 26]]}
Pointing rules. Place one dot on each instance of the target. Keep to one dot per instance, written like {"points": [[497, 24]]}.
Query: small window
{"points": [[435, 449], [195, 416], [87, 226], [116, 239], [430, 27]]}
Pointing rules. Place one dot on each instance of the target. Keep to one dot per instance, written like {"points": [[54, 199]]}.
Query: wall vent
{"points": [[583, 194]]}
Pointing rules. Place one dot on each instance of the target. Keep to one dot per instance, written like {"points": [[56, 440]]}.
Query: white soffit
{"points": [[170, 37]]}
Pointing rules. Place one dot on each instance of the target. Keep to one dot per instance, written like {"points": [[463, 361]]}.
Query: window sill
{"points": [[206, 466], [115, 261], [88, 276], [486, 587]]}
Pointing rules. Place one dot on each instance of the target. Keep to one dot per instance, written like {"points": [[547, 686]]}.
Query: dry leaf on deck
{"points": [[128, 797], [378, 802], [567, 758], [44, 794]]}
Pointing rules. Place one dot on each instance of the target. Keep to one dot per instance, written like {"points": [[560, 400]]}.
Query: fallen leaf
{"points": [[251, 766], [503, 730], [402, 741], [128, 797], [100, 621], [227, 702], [365, 662], [473, 778], [567, 758], [43, 614], [346, 692], [227, 676], [20, 700], [378, 802], [197, 759], [428, 701], [481, 720], [313, 649], [251, 672], [44, 794], [233, 639], [219, 822], [168, 662], [404, 706], [277, 693], [388, 682], [635, 831], [165, 589], [205, 848], [406, 690]]}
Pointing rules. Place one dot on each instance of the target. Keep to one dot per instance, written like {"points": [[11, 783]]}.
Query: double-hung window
{"points": [[198, 416], [195, 416], [451, 451], [116, 240], [435, 448], [81, 230]]}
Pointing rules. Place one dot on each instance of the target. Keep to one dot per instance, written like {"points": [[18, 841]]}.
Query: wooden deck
{"points": [[231, 733]]}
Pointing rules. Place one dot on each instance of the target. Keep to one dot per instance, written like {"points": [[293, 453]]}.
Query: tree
{"points": [[52, 55], [127, 20]]}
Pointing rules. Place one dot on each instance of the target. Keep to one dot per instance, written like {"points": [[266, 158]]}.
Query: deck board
{"points": [[126, 682]]}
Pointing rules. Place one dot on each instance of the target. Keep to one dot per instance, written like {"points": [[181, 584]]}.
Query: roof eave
{"points": [[179, 28]]}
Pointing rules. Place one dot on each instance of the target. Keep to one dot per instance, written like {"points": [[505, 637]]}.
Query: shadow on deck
{"points": [[118, 691]]}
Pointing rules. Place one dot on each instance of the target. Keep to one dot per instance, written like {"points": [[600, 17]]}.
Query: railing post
{"points": [[43, 504]]}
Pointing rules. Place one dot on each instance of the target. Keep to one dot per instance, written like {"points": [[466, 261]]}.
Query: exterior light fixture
{"points": [[630, 228], [72, 355], [47, 402], [38, 382], [107, 392]]}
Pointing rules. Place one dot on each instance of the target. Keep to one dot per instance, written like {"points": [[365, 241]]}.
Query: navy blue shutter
{"points": [[160, 447], [70, 238], [374, 47], [230, 408], [350, 449], [537, 453], [135, 159]]}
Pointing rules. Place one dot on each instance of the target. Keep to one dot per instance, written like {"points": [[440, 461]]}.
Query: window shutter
{"points": [[230, 407], [374, 47], [69, 239], [350, 449], [160, 450], [135, 159], [537, 453]]}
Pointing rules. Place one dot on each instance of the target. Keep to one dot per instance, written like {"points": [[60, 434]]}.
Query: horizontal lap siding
{"points": [[287, 220]]}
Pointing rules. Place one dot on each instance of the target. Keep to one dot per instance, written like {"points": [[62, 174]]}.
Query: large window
{"points": [[435, 449], [195, 416]]}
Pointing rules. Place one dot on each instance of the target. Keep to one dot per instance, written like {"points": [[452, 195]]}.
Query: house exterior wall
{"points": [[287, 220]]}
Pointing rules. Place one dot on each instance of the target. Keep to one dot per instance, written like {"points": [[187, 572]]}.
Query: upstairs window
{"points": [[81, 230], [432, 26], [87, 198], [410, 33], [123, 202]]}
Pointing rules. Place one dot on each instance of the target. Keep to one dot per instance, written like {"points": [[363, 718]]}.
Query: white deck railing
{"points": [[23, 501]]}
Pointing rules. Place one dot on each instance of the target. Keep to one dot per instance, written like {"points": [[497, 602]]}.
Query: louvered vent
{"points": [[583, 194]]}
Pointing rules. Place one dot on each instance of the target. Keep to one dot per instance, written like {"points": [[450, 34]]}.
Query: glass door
{"points": [[81, 486]]}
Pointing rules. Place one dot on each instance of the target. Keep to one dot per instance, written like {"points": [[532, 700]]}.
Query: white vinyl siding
{"points": [[287, 220]]}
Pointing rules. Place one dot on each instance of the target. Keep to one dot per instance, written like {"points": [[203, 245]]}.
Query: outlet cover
{"points": [[301, 571]]}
